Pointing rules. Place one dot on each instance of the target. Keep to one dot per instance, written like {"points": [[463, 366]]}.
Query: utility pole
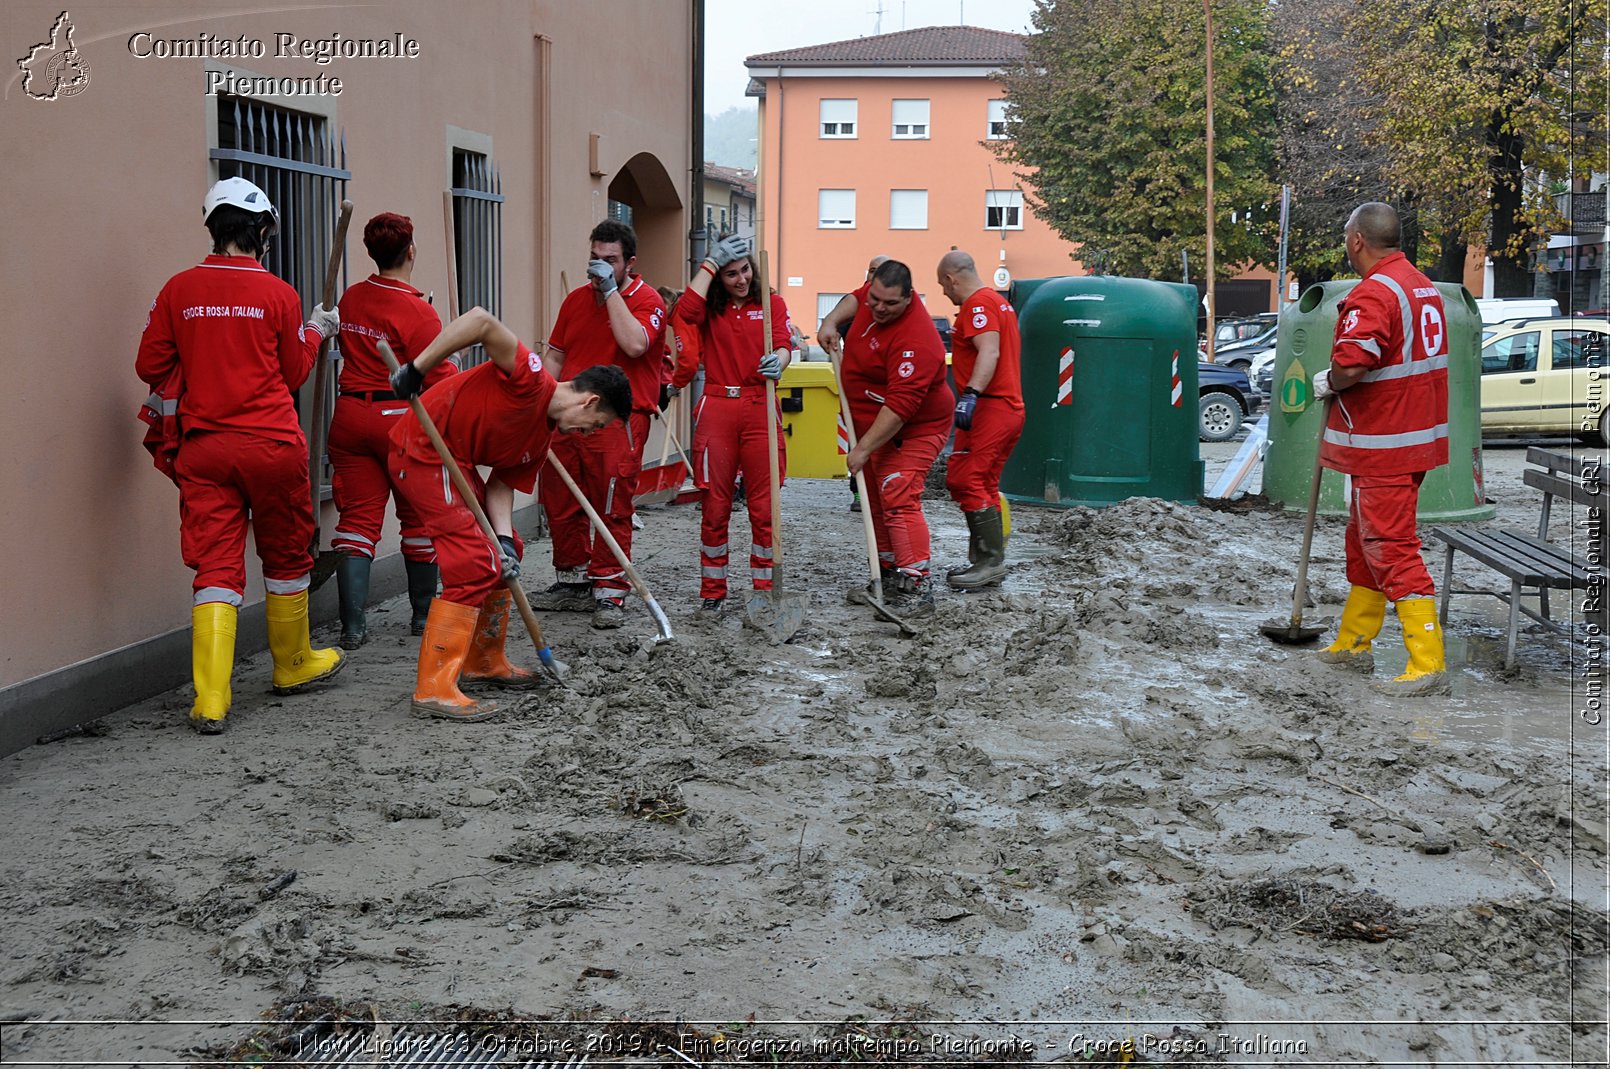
{"points": [[1280, 271], [1207, 8]]}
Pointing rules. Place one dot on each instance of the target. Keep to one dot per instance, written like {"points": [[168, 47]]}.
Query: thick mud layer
{"points": [[1092, 805]]}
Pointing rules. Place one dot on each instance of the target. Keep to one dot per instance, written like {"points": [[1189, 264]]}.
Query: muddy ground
{"points": [[1093, 805]]}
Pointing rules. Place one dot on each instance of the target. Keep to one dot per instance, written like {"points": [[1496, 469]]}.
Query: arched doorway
{"points": [[653, 205]]}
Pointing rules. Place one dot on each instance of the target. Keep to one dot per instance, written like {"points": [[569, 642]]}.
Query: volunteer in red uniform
{"points": [[894, 376], [383, 306], [234, 332], [1388, 426], [722, 303], [500, 415], [617, 318], [830, 336], [985, 354]]}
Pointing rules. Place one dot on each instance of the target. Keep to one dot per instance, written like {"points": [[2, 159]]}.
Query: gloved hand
{"points": [[771, 366], [964, 409], [511, 558], [327, 321], [667, 391], [407, 381], [603, 276], [729, 249], [1322, 388]]}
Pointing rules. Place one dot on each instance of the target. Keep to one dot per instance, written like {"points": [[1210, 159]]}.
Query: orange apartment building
{"points": [[881, 145], [520, 117]]}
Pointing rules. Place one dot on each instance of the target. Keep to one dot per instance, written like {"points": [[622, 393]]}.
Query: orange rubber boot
{"points": [[449, 630], [487, 663]]}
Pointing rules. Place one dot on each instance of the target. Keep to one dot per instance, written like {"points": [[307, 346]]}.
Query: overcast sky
{"points": [[738, 28]]}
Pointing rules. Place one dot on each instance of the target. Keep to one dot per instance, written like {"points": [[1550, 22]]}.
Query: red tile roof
{"points": [[930, 45], [741, 180]]}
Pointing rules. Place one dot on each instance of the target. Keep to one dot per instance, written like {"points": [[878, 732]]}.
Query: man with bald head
{"points": [[1387, 425], [986, 359]]}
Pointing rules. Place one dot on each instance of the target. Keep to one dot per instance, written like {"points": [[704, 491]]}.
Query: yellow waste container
{"points": [[809, 398]]}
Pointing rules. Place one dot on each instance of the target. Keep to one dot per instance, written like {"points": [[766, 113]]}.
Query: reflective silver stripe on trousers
{"points": [[763, 552], [1406, 370], [285, 587], [714, 573], [760, 573], [447, 487], [348, 536], [1386, 441], [416, 542], [209, 594], [714, 551], [609, 498]]}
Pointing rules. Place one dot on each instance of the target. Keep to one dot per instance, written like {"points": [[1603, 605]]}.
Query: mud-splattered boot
{"points": [[449, 630], [296, 663], [1362, 617], [1427, 671], [422, 580], [212, 662], [487, 663], [352, 586], [989, 566]]}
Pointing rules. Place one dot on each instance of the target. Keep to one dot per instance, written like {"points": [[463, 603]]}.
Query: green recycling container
{"points": [[1109, 381], [1450, 494]]}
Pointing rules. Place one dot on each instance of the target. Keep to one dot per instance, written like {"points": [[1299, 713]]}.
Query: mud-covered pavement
{"points": [[1093, 805]]}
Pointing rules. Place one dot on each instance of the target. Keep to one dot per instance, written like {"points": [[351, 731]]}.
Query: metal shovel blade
{"points": [[882, 611], [777, 615], [1292, 632], [323, 567]]}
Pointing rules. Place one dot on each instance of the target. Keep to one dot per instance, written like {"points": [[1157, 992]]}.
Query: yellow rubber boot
{"points": [[449, 631], [212, 662], [296, 663], [487, 662], [1362, 617], [1427, 671]]}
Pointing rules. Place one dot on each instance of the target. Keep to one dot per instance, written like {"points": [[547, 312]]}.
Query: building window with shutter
{"points": [[838, 118], [835, 209], [910, 120], [908, 209], [998, 128], [1003, 209], [478, 232]]}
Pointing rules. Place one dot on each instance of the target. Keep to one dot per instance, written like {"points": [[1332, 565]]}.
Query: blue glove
{"points": [[511, 558], [771, 366], [603, 276], [406, 381], [729, 249], [964, 409]]}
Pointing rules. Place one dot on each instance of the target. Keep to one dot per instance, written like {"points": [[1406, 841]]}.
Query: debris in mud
{"points": [[663, 803], [395, 811], [1279, 905]]}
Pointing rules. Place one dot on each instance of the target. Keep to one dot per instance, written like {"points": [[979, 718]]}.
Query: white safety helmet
{"points": [[240, 193]]}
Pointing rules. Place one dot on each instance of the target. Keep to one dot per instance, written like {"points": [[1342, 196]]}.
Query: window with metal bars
{"points": [[478, 233], [300, 162]]}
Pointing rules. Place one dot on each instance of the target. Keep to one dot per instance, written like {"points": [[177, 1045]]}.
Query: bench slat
{"points": [[1519, 556], [1589, 464], [1589, 493]]}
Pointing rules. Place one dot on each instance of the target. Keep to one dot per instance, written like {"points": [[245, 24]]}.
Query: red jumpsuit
{"points": [[604, 464], [488, 419], [1386, 431], [360, 434], [901, 367], [730, 433], [974, 474], [236, 331]]}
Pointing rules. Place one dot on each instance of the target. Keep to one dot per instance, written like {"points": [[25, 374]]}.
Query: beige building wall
{"points": [[103, 205]]}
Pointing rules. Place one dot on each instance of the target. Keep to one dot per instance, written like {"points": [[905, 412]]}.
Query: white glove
{"points": [[1322, 388], [327, 321], [602, 276], [771, 366]]}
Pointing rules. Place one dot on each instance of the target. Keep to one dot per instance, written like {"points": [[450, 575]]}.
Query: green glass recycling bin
{"points": [[1110, 386], [1450, 494]]}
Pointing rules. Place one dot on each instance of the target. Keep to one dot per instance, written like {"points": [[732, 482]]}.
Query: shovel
{"points": [[777, 614], [875, 599], [1294, 632], [324, 561], [555, 667]]}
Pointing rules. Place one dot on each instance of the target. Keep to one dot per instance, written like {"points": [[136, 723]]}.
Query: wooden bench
{"points": [[1533, 564]]}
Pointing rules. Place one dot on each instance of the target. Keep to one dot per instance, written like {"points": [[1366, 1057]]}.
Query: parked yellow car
{"points": [[1546, 376]]}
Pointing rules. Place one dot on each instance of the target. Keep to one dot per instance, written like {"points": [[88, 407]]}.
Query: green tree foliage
{"points": [[1110, 106], [1479, 105]]}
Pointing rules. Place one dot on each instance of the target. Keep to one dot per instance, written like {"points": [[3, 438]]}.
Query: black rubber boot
{"points": [[974, 548], [352, 583], [989, 568], [422, 578]]}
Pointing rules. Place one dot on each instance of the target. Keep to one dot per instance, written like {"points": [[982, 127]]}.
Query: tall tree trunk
{"points": [[1450, 265], [1510, 275]]}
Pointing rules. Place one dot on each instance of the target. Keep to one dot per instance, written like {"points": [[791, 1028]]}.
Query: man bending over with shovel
{"points": [[499, 415]]}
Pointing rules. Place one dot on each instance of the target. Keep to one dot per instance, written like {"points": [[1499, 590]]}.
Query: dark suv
{"points": [[1227, 398]]}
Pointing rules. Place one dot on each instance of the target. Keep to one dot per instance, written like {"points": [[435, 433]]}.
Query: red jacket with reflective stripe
{"points": [[1395, 420]]}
